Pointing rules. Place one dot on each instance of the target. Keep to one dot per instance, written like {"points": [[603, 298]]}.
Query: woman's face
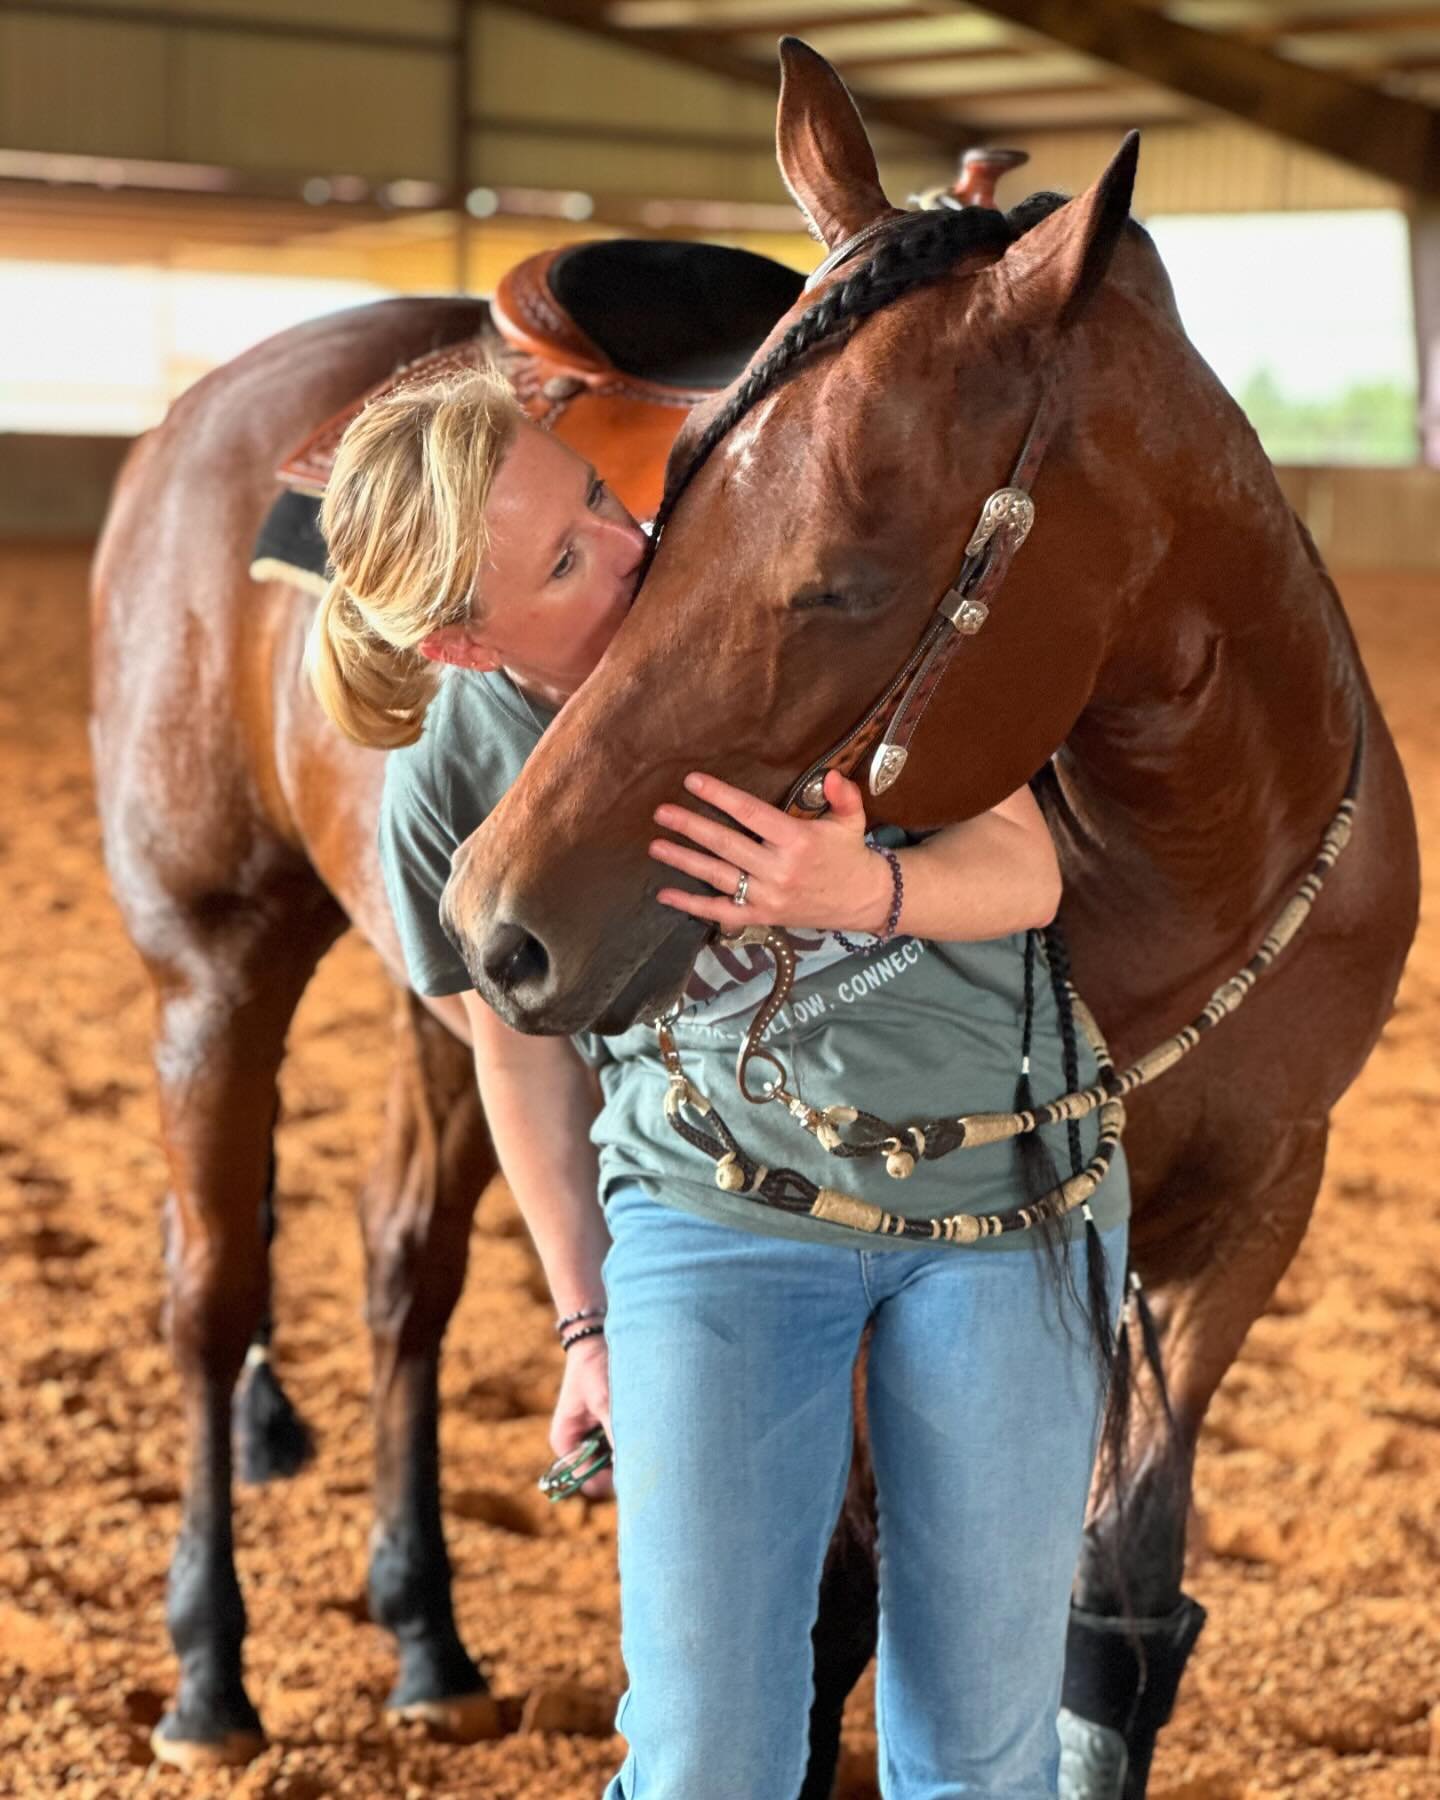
{"points": [[559, 575]]}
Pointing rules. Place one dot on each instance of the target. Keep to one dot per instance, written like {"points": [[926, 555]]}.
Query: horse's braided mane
{"points": [[920, 247]]}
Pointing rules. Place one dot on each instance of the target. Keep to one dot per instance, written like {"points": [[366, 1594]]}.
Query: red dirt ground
{"points": [[1317, 1548]]}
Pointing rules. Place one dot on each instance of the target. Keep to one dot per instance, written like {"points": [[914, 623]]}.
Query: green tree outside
{"points": [[1367, 422]]}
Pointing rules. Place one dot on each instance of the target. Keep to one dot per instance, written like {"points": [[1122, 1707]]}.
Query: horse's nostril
{"points": [[512, 957]]}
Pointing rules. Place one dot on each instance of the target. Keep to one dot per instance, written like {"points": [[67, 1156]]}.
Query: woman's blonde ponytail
{"points": [[375, 693], [403, 520]]}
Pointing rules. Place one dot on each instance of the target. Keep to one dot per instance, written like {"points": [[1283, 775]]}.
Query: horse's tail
{"points": [[273, 1440]]}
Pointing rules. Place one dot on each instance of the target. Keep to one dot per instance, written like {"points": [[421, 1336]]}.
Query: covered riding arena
{"points": [[178, 178]]}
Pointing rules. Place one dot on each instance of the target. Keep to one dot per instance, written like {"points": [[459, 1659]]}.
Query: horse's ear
{"points": [[824, 154], [1056, 266]]}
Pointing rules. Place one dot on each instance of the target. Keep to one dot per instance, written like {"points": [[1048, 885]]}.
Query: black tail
{"points": [[273, 1440]]}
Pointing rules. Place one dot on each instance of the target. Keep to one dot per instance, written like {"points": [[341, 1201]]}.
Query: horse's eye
{"points": [[809, 601]]}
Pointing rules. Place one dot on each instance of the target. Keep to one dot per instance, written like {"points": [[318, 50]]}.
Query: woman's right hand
{"points": [[584, 1403]]}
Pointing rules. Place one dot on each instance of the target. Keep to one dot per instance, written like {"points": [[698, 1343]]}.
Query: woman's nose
{"points": [[628, 544]]}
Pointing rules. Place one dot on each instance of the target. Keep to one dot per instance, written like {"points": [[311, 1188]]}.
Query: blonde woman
{"points": [[480, 569]]}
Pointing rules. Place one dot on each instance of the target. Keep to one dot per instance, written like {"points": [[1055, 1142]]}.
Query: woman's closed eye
{"points": [[594, 494]]}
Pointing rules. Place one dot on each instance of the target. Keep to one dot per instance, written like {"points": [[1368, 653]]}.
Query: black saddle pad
{"points": [[689, 315], [290, 547]]}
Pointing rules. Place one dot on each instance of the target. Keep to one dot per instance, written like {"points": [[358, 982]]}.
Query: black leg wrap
{"points": [[1116, 1698]]}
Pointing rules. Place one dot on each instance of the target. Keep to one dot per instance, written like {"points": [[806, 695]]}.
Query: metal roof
{"points": [[1355, 79]]}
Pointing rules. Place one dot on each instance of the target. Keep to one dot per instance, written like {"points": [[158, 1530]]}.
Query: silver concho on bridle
{"points": [[1008, 514]]}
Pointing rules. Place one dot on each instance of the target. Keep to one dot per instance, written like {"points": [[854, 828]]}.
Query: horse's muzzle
{"points": [[630, 969]]}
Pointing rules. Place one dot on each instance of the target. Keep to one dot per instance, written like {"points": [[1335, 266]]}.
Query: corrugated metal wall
{"points": [[254, 102]]}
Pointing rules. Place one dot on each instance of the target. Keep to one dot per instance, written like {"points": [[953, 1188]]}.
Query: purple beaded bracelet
{"points": [[897, 900]]}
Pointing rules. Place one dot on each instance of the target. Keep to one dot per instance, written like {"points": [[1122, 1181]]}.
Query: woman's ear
{"points": [[457, 644]]}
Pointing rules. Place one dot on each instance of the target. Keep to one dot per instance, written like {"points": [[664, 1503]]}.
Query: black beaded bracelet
{"points": [[585, 1312], [575, 1336], [897, 881]]}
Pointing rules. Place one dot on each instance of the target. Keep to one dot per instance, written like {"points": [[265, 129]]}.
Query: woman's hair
{"points": [[403, 520]]}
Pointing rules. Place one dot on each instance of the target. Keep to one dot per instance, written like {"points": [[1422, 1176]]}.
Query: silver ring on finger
{"points": [[742, 888]]}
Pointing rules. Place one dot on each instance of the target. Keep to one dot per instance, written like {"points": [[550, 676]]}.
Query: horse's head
{"points": [[815, 514]]}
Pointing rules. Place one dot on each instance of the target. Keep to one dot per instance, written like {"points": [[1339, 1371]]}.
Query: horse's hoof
{"points": [[461, 1719], [193, 1754]]}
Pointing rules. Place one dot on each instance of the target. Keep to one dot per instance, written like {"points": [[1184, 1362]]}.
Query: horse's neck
{"points": [[1194, 790]]}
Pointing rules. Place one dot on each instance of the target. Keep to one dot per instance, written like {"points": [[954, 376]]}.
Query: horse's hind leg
{"points": [[229, 969], [1227, 1242], [416, 1212]]}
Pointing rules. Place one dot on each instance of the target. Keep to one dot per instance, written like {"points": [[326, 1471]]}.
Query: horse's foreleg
{"points": [[416, 1212], [1225, 1246], [226, 996]]}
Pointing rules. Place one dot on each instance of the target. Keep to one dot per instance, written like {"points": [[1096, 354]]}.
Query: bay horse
{"points": [[1168, 661]]}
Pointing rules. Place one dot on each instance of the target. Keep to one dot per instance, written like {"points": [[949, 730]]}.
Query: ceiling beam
{"points": [[1395, 138], [1301, 23], [1115, 108], [936, 34], [699, 50], [849, 61], [954, 77], [717, 18]]}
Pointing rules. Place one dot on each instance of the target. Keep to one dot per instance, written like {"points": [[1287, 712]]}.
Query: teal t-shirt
{"points": [[911, 1030]]}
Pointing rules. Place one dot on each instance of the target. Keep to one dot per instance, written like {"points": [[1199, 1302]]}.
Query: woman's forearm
{"points": [[540, 1102], [981, 879]]}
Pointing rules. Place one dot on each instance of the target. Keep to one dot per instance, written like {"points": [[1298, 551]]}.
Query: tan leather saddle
{"points": [[607, 344]]}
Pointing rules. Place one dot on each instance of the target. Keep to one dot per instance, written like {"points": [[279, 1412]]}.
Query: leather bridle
{"points": [[1003, 525]]}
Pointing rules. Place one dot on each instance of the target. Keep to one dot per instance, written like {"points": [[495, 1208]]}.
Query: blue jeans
{"points": [[731, 1359]]}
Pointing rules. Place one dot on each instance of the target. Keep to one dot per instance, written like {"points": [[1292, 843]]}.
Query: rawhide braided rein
{"points": [[791, 1191]]}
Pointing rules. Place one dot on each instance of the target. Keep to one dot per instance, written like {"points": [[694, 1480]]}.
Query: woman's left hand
{"points": [[815, 873]]}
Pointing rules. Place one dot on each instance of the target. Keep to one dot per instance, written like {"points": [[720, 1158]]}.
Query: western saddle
{"points": [[608, 344]]}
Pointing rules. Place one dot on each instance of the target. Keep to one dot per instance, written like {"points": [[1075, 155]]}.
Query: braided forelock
{"points": [[920, 247]]}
